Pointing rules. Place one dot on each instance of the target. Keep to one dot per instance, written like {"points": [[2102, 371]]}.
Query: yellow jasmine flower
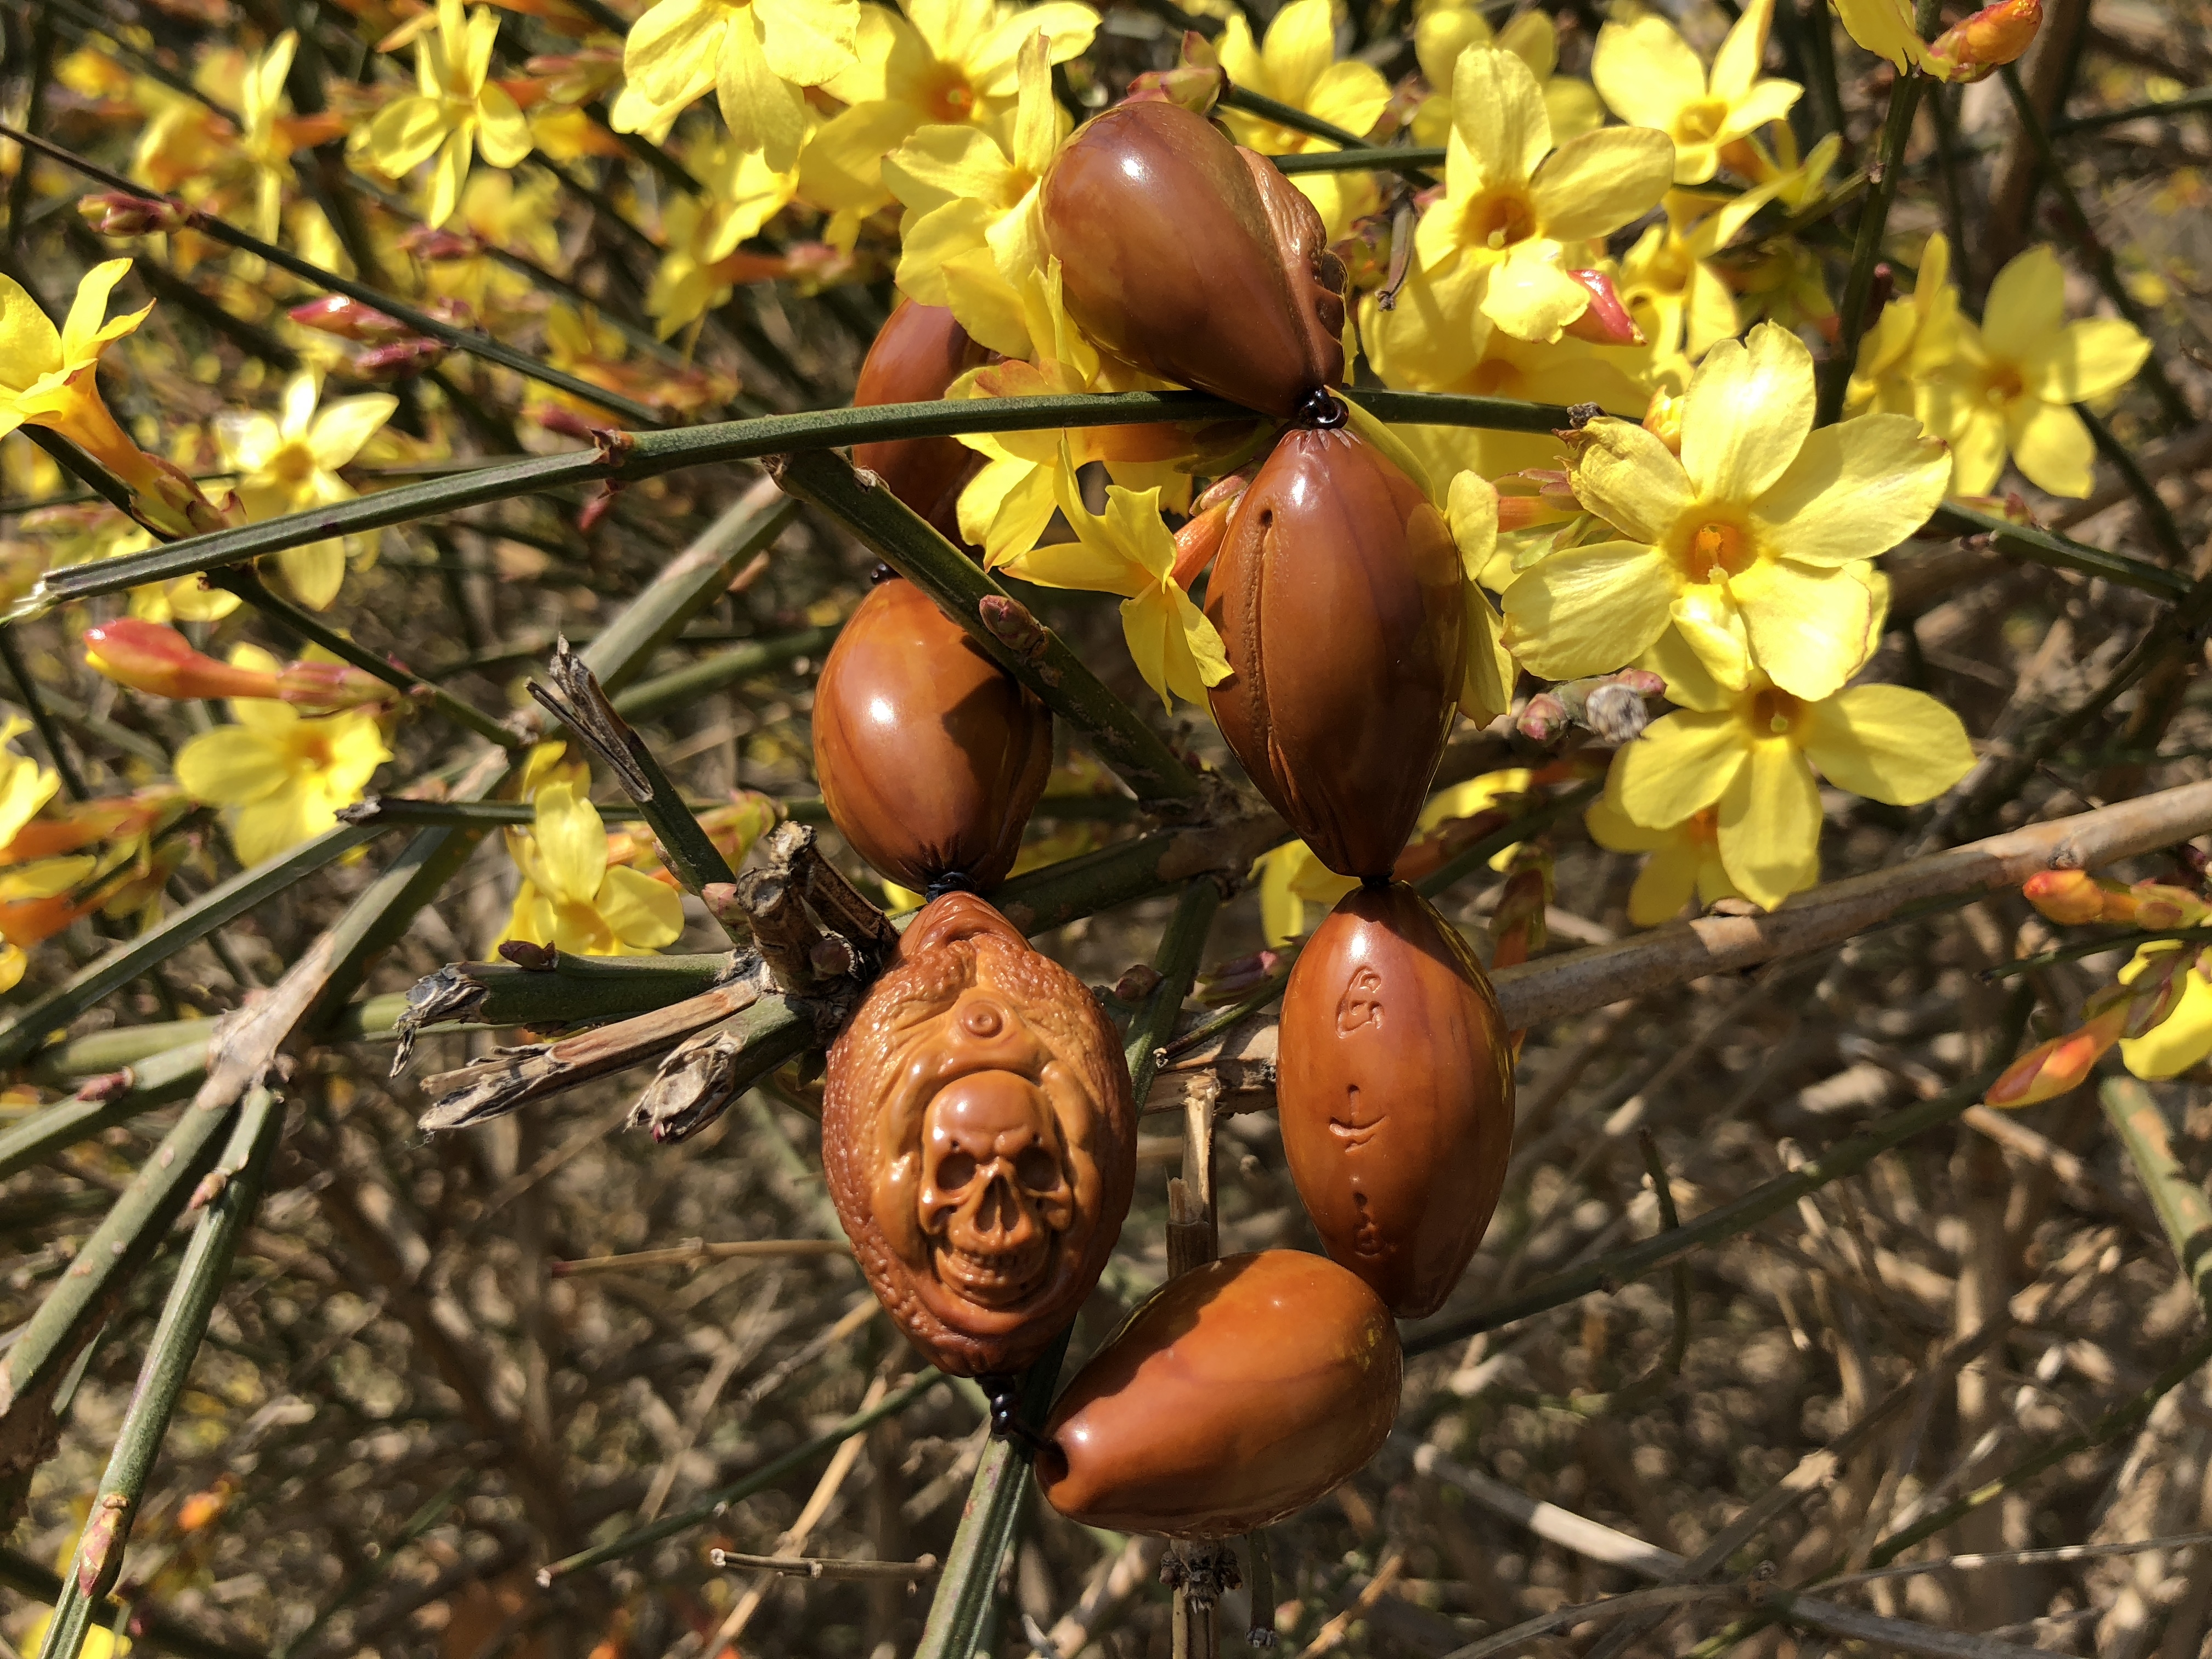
{"points": [[1647, 75], [1685, 862], [265, 142], [1968, 50], [25, 786], [946, 63], [1751, 545], [1006, 505], [2012, 383], [49, 379], [757, 55], [973, 235], [291, 463], [1911, 342], [281, 775], [515, 211], [2184, 1037], [1444, 32], [1129, 551], [455, 114], [1297, 66], [1486, 679], [572, 898], [743, 192], [1669, 280], [1750, 756], [1515, 214]]}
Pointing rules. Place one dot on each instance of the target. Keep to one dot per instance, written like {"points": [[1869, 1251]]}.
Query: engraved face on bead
{"points": [[979, 1140]]}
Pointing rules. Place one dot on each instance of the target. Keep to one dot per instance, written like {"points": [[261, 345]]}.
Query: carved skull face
{"points": [[994, 1197]]}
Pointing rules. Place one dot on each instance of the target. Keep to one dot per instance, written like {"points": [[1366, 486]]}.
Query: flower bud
{"points": [[979, 1136], [159, 660], [402, 360], [918, 353], [2158, 906], [2051, 1068], [1978, 46], [1195, 259], [119, 213], [1240, 1393], [1395, 1087], [2075, 897], [1663, 418], [1196, 83], [349, 320], [1604, 321], [931, 756], [1337, 597]]}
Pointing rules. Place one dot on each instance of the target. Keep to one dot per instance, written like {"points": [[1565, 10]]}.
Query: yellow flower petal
{"points": [[642, 914], [572, 840], [2179, 1040], [1646, 72], [1807, 626], [1888, 743], [1855, 490], [2054, 448], [1592, 185], [1770, 824], [809, 41], [2027, 302], [1589, 610], [2090, 359], [228, 766], [1707, 619], [1626, 476], [1683, 761], [1748, 411], [1497, 112]]}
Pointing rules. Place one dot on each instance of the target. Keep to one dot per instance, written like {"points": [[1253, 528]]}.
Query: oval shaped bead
{"points": [[930, 755], [1238, 1394], [1337, 596], [1394, 1089], [979, 1140], [917, 354], [1195, 259]]}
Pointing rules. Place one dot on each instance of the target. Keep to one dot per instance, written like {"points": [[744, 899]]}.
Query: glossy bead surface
{"points": [[979, 1140], [1337, 596], [1240, 1393], [919, 351], [1195, 259], [930, 755], [1394, 1088]]}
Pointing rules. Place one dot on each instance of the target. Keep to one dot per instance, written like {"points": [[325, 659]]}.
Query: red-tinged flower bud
{"points": [[1195, 259], [349, 320], [1234, 980], [327, 685], [1662, 419], [1197, 541], [558, 418], [2051, 1068], [1543, 718], [403, 360], [117, 213], [1337, 597], [2159, 907], [150, 658], [427, 242], [1196, 83], [2072, 896], [1517, 923], [1979, 45], [1604, 321], [918, 353]]}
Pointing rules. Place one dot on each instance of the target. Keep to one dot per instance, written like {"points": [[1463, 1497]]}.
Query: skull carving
{"points": [[980, 1138]]}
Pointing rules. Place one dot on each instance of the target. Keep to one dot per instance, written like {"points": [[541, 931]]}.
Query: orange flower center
{"points": [[951, 99], [1498, 218], [1775, 711], [1697, 122], [1718, 548], [2002, 383]]}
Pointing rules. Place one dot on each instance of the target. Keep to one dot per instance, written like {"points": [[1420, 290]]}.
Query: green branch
{"points": [[1886, 174], [1407, 159], [2047, 547], [628, 458]]}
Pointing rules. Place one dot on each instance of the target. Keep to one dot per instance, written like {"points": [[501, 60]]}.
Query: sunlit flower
{"points": [[1684, 861], [1751, 545], [48, 379], [1296, 65], [2012, 384], [1750, 756], [702, 233], [265, 142], [757, 56], [1444, 32], [281, 775], [1128, 551], [1513, 218], [1647, 75], [291, 463], [1911, 342], [942, 64], [1679, 297], [2184, 1037], [1968, 50], [572, 898], [455, 113], [973, 235]]}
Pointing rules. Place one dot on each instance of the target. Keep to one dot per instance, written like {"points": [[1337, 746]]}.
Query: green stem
{"points": [[649, 454], [1866, 250], [685, 685], [169, 1076], [2187, 104], [50, 734], [759, 1481], [2047, 547], [2171, 405], [1407, 159], [1042, 661], [2158, 518], [169, 1356], [475, 343], [687, 585], [26, 1577], [242, 581]]}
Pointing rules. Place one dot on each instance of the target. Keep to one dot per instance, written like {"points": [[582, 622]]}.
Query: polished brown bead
{"points": [[1394, 1089], [919, 351], [1337, 594], [1195, 259], [931, 756], [979, 1140], [1241, 1392]]}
